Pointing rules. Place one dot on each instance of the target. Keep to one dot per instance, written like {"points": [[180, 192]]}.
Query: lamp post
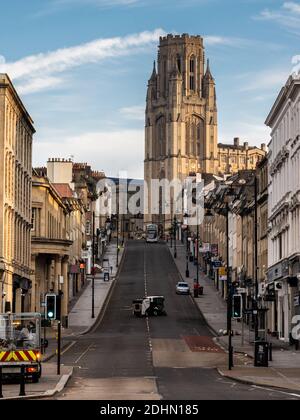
{"points": [[229, 294], [117, 240], [209, 217], [187, 271], [175, 232], [93, 273]]}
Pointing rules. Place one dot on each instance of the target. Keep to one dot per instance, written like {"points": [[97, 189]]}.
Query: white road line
{"points": [[69, 346], [275, 390], [285, 377], [83, 354]]}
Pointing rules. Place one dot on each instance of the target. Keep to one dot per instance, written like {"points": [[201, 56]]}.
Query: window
{"points": [[179, 63], [88, 228], [33, 219], [280, 246], [192, 73]]}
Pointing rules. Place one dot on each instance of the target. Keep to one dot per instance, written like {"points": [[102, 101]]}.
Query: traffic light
{"points": [[51, 307], [237, 307]]}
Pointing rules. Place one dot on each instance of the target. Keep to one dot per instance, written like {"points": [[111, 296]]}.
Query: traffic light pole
{"points": [[59, 335]]}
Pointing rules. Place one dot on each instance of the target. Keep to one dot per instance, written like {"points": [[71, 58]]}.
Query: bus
{"points": [[152, 233]]}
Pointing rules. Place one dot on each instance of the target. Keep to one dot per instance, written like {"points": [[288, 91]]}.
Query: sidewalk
{"points": [[80, 322], [284, 371], [49, 385]]}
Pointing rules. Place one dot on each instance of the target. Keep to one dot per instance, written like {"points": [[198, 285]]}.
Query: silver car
{"points": [[182, 288]]}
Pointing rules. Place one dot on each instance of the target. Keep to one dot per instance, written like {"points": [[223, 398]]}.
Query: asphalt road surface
{"points": [[163, 358]]}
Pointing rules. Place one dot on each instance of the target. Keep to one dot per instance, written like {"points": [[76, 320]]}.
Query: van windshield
{"points": [[19, 332]]}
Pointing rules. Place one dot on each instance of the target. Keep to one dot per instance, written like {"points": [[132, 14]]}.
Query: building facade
{"points": [[284, 207], [51, 245], [238, 157], [16, 134], [181, 113], [181, 134]]}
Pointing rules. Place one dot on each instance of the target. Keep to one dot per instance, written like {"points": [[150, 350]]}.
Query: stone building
{"points": [[181, 133], [16, 133], [237, 157], [76, 218], [284, 208], [181, 113], [51, 245]]}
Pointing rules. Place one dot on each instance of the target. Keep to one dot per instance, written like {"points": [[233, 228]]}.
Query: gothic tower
{"points": [[181, 113]]}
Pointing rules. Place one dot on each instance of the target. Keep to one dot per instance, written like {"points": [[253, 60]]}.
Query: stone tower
{"points": [[181, 113]]}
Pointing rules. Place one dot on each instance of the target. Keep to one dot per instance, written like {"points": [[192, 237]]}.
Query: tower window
{"points": [[192, 65], [192, 83], [192, 73], [179, 63]]}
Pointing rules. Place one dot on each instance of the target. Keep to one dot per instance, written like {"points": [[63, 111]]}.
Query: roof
{"points": [[285, 93], [64, 190], [6, 83], [234, 147]]}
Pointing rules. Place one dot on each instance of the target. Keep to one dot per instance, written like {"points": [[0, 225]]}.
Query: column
{"points": [[57, 272], [33, 291]]}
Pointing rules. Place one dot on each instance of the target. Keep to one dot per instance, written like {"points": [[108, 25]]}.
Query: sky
{"points": [[81, 68]]}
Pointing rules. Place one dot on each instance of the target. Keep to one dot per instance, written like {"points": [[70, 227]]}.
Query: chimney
{"points": [[236, 142], [264, 147]]}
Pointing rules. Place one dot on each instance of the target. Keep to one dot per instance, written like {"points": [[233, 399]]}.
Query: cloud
{"points": [[44, 66], [59, 5], [269, 79], [36, 85], [288, 15], [134, 112], [123, 148]]}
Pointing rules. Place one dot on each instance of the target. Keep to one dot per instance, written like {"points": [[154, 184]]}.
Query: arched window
{"points": [[187, 138], [194, 136], [192, 73], [160, 138]]}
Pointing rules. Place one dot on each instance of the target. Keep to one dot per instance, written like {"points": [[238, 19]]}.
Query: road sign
{"points": [[217, 264], [241, 290]]}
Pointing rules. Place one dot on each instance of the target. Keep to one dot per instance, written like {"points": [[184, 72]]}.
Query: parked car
{"points": [[182, 288]]}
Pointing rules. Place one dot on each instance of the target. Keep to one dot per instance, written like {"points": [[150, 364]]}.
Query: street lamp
{"points": [[187, 271], [209, 217], [175, 232], [93, 269]]}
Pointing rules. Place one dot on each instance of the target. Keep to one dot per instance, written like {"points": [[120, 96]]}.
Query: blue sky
{"points": [[82, 66]]}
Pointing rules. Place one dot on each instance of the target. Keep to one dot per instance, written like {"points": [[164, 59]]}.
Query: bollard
{"points": [[1, 394], [270, 352], [22, 382]]}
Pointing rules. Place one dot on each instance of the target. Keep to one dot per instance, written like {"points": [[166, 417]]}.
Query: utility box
{"points": [[261, 354]]}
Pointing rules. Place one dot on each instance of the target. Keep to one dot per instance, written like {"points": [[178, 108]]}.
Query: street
{"points": [[169, 358]]}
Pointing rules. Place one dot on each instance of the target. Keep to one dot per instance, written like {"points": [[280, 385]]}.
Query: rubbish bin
{"points": [[201, 290], [261, 354]]}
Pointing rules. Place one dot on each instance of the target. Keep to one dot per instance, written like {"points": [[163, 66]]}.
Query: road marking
{"points": [[275, 390], [285, 377], [69, 346], [84, 353]]}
